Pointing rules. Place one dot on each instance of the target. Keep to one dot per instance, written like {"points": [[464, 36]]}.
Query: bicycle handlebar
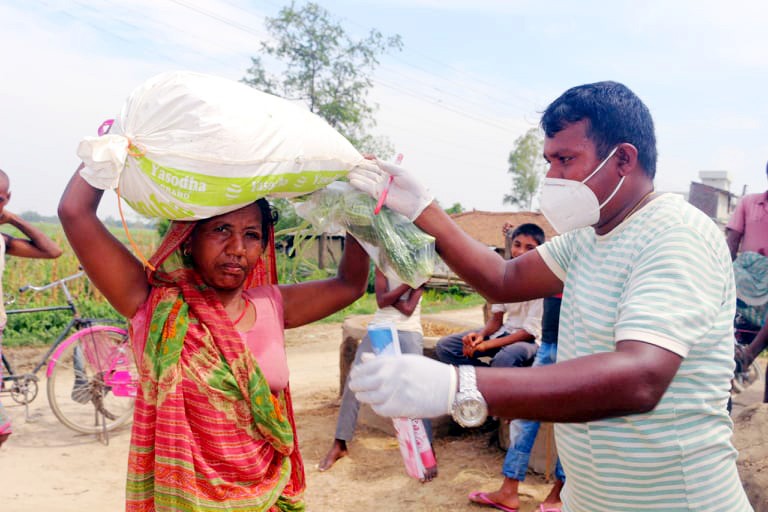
{"points": [[59, 282]]}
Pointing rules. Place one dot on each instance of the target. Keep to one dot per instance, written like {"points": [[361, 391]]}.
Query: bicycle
{"points": [[90, 370]]}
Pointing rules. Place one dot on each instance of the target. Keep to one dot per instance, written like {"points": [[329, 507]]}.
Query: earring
{"points": [[186, 252]]}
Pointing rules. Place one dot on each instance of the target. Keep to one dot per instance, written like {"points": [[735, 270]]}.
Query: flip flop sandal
{"points": [[482, 498]]}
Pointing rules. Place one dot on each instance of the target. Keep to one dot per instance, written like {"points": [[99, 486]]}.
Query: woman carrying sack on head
{"points": [[214, 425]]}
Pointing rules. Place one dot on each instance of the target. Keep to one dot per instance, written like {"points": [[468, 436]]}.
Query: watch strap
{"points": [[467, 378], [453, 387]]}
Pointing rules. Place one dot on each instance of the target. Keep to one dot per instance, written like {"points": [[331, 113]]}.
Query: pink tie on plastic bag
{"points": [[383, 196], [105, 127]]}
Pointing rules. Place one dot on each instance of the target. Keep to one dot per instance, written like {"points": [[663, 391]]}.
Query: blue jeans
{"points": [[450, 349], [523, 433]]}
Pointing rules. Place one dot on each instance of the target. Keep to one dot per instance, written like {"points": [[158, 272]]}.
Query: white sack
{"points": [[188, 146]]}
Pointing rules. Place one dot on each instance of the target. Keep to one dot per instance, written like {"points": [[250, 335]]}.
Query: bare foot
{"points": [[337, 451], [4, 437], [552, 501]]}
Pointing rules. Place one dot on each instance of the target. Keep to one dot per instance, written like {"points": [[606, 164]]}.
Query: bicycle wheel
{"points": [[92, 380]]}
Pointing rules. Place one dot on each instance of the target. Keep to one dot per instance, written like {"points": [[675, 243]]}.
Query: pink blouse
{"points": [[266, 339]]}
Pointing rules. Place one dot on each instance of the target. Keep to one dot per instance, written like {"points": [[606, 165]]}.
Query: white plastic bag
{"points": [[188, 146]]}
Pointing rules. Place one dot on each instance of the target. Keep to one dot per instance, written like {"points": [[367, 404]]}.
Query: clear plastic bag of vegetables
{"points": [[396, 246]]}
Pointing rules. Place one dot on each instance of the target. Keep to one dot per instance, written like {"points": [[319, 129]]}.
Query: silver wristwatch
{"points": [[469, 408]]}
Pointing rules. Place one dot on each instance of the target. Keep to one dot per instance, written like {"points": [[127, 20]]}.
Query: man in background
{"points": [[747, 236]]}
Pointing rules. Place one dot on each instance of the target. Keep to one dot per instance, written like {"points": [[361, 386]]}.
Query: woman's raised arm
{"points": [[312, 300], [107, 261]]}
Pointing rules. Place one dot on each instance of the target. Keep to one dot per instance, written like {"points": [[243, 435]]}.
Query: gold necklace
{"points": [[640, 203]]}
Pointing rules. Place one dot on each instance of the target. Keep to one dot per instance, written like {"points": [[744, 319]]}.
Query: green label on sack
{"points": [[197, 189], [158, 208]]}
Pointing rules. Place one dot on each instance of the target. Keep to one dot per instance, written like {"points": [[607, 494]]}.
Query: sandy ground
{"points": [[45, 466], [751, 440]]}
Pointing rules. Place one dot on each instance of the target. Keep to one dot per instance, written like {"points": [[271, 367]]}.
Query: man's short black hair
{"points": [[614, 114], [530, 229]]}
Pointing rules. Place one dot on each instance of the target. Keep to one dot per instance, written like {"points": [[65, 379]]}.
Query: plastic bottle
{"points": [[415, 447]]}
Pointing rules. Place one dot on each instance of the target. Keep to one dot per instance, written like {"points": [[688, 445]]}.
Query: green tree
{"points": [[526, 167], [162, 227], [455, 208], [326, 69]]}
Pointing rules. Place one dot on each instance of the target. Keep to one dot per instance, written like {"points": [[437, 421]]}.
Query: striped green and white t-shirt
{"points": [[664, 276]]}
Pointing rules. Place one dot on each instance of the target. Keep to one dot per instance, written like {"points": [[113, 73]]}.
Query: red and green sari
{"points": [[208, 435]]}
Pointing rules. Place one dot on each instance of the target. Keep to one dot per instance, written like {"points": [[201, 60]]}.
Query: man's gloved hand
{"points": [[405, 195], [407, 386]]}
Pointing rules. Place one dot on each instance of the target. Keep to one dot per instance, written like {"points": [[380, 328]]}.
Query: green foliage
{"points": [[325, 69], [365, 305], [42, 328], [34, 328], [162, 227], [35, 217], [433, 301], [132, 224], [371, 288], [526, 167], [454, 209], [287, 220], [293, 262]]}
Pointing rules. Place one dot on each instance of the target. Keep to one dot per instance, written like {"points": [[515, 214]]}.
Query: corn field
{"points": [[42, 328]]}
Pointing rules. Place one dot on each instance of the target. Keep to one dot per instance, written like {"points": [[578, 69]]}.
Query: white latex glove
{"points": [[405, 195], [104, 159], [406, 386]]}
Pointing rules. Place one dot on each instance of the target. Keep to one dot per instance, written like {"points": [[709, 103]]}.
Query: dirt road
{"points": [[44, 466]]}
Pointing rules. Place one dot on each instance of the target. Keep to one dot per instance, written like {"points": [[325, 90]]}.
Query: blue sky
{"points": [[472, 77]]}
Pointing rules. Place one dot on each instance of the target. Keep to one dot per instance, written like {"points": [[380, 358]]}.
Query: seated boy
{"points": [[507, 343]]}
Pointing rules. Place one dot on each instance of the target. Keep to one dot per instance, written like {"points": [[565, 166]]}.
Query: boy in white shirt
{"points": [[507, 343]]}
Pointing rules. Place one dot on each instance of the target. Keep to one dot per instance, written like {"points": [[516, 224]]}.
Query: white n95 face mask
{"points": [[569, 204]]}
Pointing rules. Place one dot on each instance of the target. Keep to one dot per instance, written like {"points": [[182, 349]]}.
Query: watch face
{"points": [[472, 412]]}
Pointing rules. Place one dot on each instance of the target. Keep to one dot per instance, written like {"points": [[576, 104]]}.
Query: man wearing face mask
{"points": [[645, 353]]}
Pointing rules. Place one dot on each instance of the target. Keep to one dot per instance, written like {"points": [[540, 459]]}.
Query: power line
{"points": [[213, 15], [90, 12], [443, 105], [444, 90], [522, 101], [449, 106]]}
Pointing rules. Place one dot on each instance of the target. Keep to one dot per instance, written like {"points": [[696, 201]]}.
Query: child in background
{"points": [[36, 245], [510, 342]]}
